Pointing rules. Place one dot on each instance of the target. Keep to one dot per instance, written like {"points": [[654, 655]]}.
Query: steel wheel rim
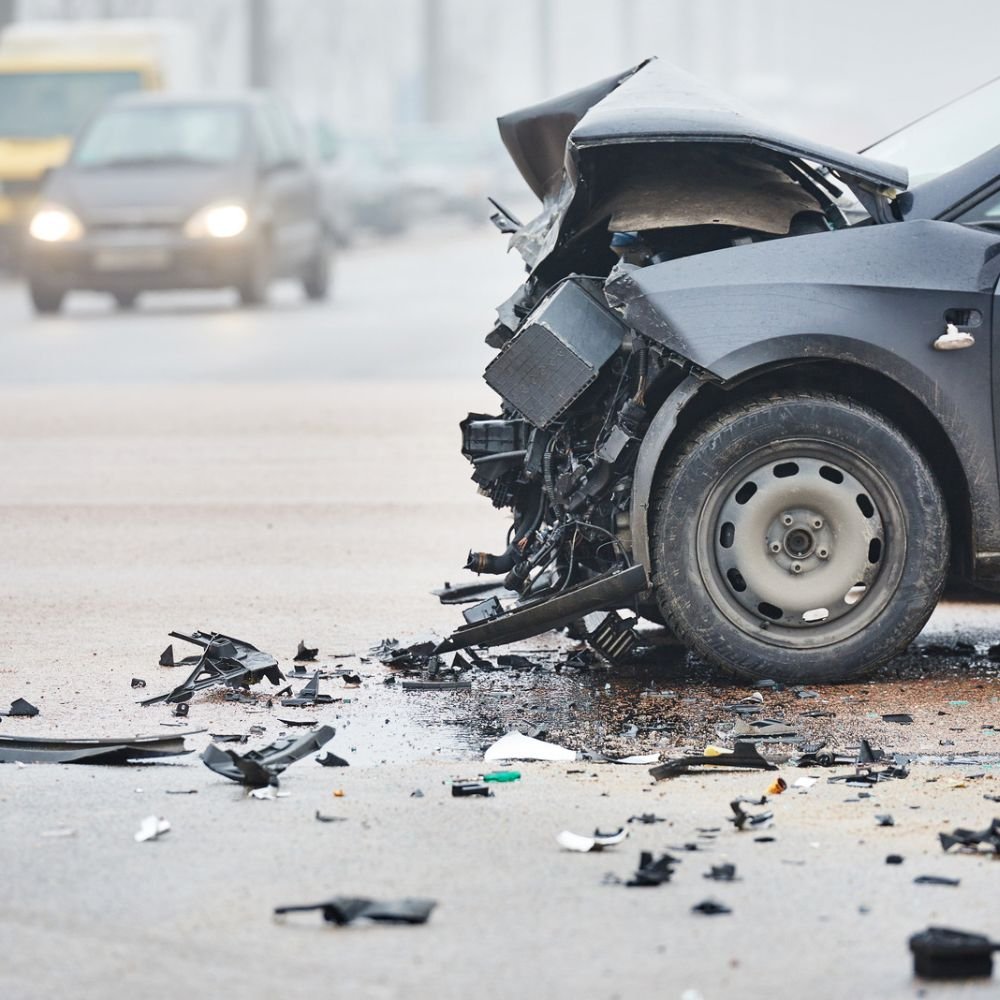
{"points": [[799, 544]]}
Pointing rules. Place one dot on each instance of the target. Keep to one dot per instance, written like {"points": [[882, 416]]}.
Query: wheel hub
{"points": [[798, 543]]}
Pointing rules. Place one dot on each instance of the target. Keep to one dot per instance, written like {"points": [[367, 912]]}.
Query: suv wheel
{"points": [[46, 299]]}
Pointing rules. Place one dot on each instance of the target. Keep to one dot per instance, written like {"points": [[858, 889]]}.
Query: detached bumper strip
{"points": [[612, 590]]}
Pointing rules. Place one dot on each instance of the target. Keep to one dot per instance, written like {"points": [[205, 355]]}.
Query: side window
{"points": [[987, 212], [268, 141], [285, 134]]}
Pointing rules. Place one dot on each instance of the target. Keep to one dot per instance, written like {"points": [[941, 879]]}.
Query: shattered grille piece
{"points": [[557, 354]]}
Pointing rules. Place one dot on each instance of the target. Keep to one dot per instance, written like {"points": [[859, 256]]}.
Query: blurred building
{"points": [[846, 72]]}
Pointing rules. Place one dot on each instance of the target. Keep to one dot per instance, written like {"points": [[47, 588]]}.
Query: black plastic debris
{"points": [[885, 819], [39, 750], [346, 909], [223, 661], [762, 729], [330, 759], [260, 768], [647, 818], [308, 695], [899, 718], [407, 658], [722, 873], [935, 880], [516, 662], [710, 908], [298, 722], [351, 680], [182, 709], [943, 953], [744, 755], [484, 611], [304, 652], [894, 859], [973, 839], [322, 818], [653, 871], [167, 656], [138, 682], [20, 707], [742, 819], [465, 789], [614, 637]]}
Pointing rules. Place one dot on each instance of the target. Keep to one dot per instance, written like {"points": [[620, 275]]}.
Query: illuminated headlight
{"points": [[53, 224], [220, 222]]}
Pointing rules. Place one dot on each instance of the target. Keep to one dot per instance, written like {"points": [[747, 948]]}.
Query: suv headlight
{"points": [[55, 224], [220, 221]]}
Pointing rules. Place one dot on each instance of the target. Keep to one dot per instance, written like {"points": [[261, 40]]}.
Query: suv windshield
{"points": [[946, 138], [140, 136], [39, 105]]}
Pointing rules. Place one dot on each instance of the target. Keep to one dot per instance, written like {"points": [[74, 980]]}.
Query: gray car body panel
{"points": [[873, 296]]}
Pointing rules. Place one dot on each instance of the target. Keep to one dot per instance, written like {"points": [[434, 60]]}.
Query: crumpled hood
{"points": [[651, 103]]}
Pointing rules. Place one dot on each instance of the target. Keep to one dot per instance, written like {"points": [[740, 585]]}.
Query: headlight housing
{"points": [[221, 221], [55, 224]]}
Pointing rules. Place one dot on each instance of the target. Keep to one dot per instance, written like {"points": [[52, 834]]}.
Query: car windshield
{"points": [[945, 138], [42, 105], [140, 136]]}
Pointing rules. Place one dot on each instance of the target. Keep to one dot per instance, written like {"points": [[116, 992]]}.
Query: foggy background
{"points": [[847, 73]]}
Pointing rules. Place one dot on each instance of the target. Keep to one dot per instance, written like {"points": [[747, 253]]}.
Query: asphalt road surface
{"points": [[293, 472]]}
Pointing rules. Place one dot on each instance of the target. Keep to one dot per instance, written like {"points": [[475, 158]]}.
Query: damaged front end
{"points": [[640, 169]]}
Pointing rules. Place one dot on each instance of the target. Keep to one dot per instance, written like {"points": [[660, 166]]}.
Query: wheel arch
{"points": [[695, 399]]}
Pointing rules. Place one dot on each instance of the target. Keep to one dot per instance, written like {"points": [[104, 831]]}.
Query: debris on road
{"points": [[260, 768], [138, 682], [517, 746], [597, 842], [894, 859], [741, 818], [935, 880], [943, 953], [710, 908], [436, 685], [167, 656], [971, 840], [308, 695], [761, 729], [330, 759], [884, 819], [653, 871], [502, 777], [466, 789], [41, 750], [899, 718], [722, 873], [346, 909], [152, 828], [223, 661], [323, 818], [20, 707], [744, 755], [304, 652]]}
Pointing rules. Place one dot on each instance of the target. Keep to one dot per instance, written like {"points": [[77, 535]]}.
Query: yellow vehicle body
{"points": [[62, 91]]}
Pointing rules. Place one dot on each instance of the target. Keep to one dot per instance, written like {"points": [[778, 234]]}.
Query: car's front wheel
{"points": [[799, 537], [46, 299], [316, 276]]}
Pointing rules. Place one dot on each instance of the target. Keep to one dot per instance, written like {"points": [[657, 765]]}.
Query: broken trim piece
{"points": [[611, 590], [41, 750]]}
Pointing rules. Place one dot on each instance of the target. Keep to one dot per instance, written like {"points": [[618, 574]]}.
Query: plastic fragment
{"points": [[900, 718], [652, 871], [744, 755], [710, 908], [894, 859], [343, 910], [304, 652], [21, 707], [885, 820], [502, 776], [973, 839], [582, 844], [722, 873], [167, 656], [935, 880], [777, 786], [330, 759], [152, 828], [329, 819], [465, 789], [517, 746], [138, 682]]}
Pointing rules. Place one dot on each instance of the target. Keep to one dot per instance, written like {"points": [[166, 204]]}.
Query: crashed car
{"points": [[747, 386]]}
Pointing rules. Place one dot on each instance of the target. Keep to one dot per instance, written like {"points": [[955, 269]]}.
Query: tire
{"points": [[253, 287], [125, 300], [316, 278], [46, 299], [799, 537]]}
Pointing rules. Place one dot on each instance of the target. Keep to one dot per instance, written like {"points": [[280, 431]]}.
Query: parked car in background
{"points": [[165, 191]]}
